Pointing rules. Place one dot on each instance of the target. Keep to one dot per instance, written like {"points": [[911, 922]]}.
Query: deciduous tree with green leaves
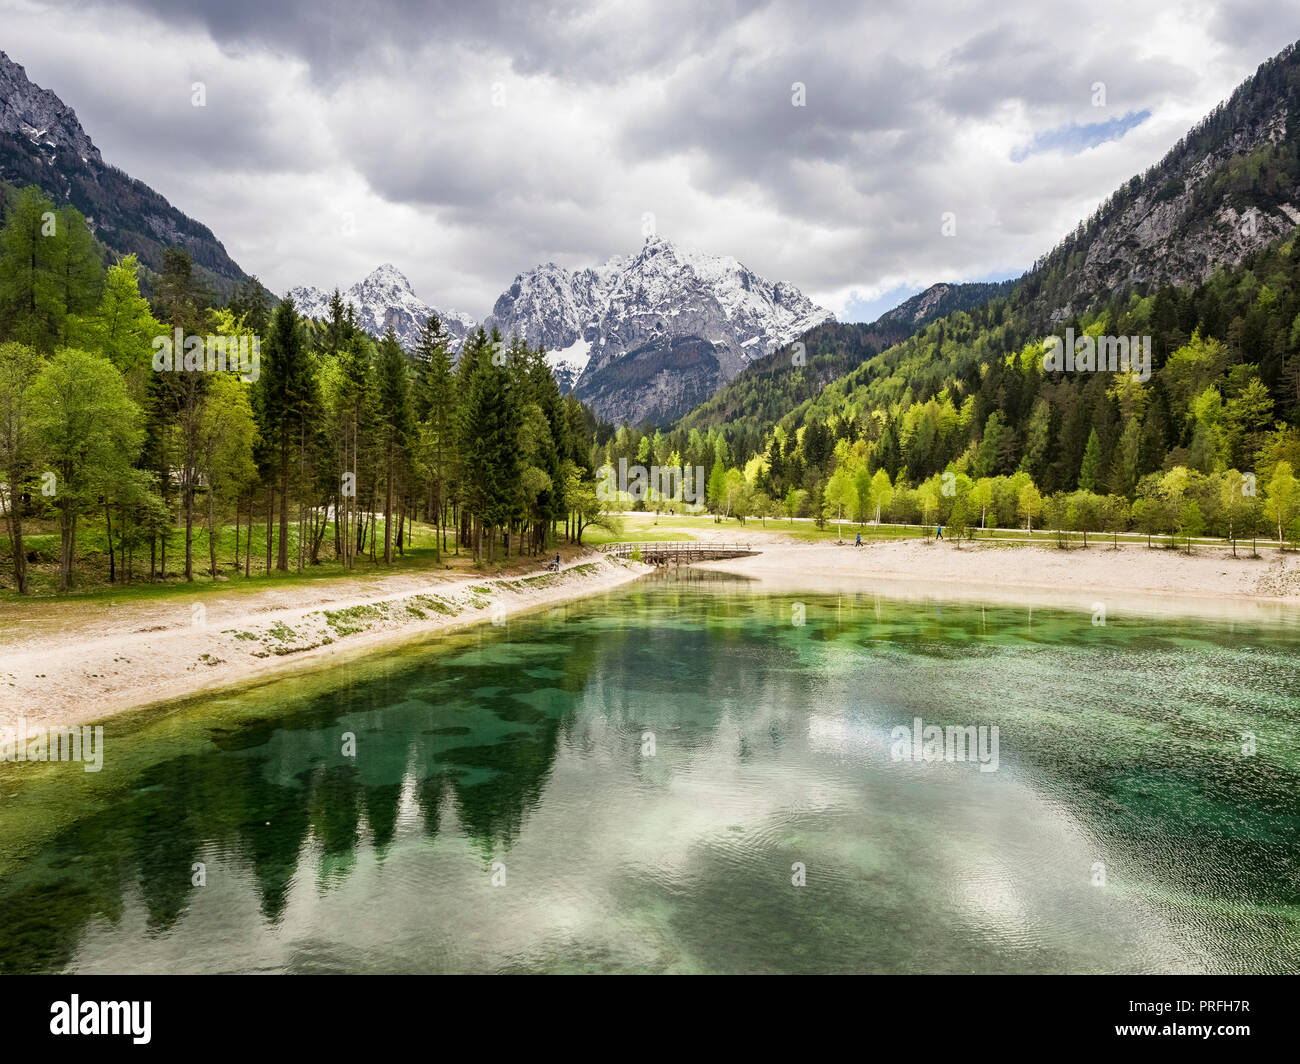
{"points": [[87, 431], [19, 366]]}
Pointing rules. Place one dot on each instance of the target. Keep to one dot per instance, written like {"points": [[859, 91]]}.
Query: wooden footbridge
{"points": [[682, 553]]}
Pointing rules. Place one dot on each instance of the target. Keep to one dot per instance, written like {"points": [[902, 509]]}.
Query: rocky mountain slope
{"points": [[936, 301], [559, 309], [1228, 188], [769, 388], [648, 336], [382, 299], [42, 143]]}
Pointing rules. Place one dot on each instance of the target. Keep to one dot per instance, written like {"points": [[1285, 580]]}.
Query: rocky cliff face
{"points": [[648, 336], [1231, 186], [559, 309], [42, 143], [1160, 238], [39, 117]]}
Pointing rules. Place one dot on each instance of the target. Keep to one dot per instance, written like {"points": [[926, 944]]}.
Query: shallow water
{"points": [[630, 782]]}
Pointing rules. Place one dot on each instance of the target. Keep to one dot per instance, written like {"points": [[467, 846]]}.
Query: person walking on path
{"points": [[938, 532], [859, 542]]}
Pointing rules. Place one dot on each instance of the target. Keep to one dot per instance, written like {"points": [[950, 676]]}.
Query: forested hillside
{"points": [[43, 144], [764, 392], [963, 423]]}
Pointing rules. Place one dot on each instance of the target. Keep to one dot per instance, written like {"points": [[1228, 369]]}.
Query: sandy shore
{"points": [[70, 663], [1208, 583], [66, 663]]}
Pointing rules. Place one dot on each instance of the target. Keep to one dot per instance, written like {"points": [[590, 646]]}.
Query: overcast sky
{"points": [[466, 142]]}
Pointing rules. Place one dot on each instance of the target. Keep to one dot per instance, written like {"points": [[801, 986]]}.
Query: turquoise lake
{"points": [[678, 777]]}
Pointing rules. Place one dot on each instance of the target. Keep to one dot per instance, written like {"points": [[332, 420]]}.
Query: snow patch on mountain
{"points": [[567, 363]]}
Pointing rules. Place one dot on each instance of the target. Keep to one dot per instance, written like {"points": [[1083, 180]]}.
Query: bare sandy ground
{"points": [[1208, 583], [70, 663]]}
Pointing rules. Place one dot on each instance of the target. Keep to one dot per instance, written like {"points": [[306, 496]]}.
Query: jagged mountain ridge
{"points": [[382, 299], [641, 337], [42, 143], [648, 336]]}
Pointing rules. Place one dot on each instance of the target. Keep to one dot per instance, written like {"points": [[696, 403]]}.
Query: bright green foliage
{"points": [[88, 432]]}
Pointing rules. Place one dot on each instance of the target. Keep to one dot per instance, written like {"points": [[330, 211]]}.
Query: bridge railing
{"points": [[684, 547]]}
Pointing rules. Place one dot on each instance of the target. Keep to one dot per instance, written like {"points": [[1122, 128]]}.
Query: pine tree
{"points": [[396, 423], [182, 300], [49, 267], [1124, 466], [355, 418], [122, 327], [252, 303], [285, 402], [79, 266], [1091, 463], [489, 436], [436, 408]]}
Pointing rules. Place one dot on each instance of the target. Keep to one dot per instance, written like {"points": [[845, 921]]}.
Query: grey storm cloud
{"points": [[589, 42], [744, 110], [1006, 64], [387, 113]]}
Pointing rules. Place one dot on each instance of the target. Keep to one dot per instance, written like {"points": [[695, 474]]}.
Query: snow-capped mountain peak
{"points": [[647, 335], [386, 277], [641, 337], [384, 298]]}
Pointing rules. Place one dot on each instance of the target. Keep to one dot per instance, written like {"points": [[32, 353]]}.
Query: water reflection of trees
{"points": [[471, 737], [467, 729]]}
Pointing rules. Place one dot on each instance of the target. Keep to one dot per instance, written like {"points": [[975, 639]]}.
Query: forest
{"points": [[339, 443], [960, 424], [333, 448]]}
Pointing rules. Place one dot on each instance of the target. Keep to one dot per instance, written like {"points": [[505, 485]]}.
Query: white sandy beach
{"points": [[1208, 583], [65, 663], [72, 662]]}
